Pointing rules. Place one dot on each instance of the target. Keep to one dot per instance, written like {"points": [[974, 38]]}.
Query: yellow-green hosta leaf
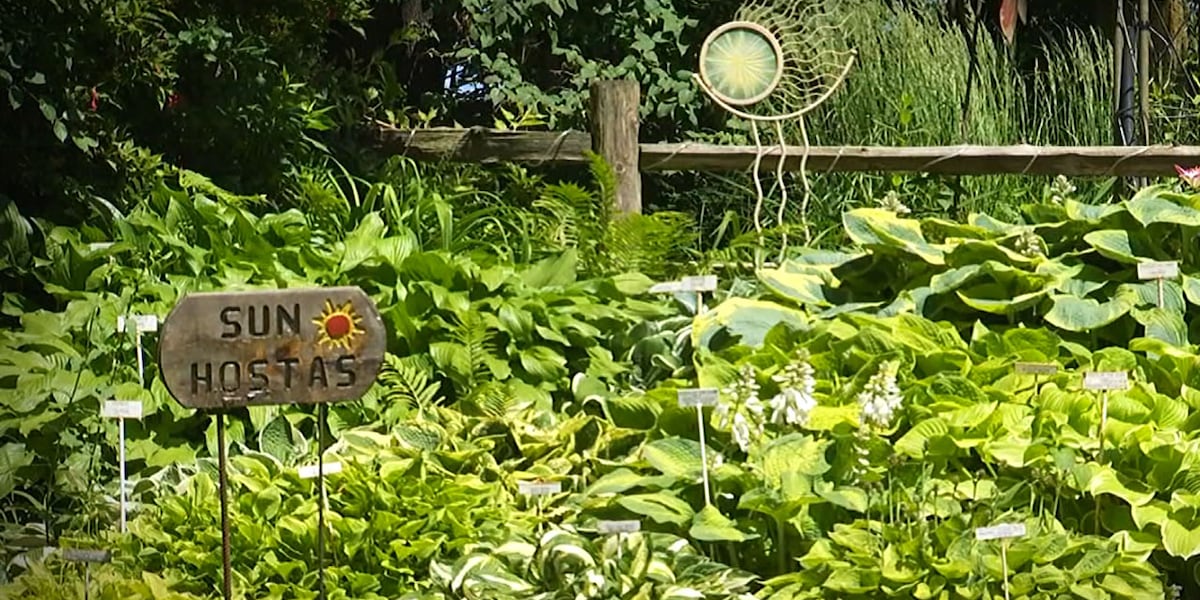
{"points": [[1113, 243], [745, 318], [1150, 205], [1179, 539], [1084, 314], [1077, 211], [1163, 324], [674, 456], [882, 228], [1099, 479], [804, 288], [913, 442], [794, 453], [1154, 512], [711, 526], [660, 507]]}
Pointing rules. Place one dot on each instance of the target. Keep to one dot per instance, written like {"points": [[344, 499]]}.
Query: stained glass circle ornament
{"points": [[741, 63]]}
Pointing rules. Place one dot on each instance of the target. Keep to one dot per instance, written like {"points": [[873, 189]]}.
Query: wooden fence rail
{"points": [[614, 129]]}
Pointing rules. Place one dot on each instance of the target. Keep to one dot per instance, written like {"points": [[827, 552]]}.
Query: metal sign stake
{"points": [[1160, 272], [122, 410], [321, 418], [226, 569]]}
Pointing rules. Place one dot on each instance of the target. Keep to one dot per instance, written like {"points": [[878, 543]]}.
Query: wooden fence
{"points": [[614, 134]]}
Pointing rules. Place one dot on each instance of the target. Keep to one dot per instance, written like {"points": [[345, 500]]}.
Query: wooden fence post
{"points": [[614, 127]]}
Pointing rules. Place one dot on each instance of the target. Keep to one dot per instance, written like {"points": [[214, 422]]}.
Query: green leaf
{"points": [[555, 271], [1084, 314], [662, 507], [1113, 243], [674, 456], [747, 319], [1179, 540], [622, 480], [881, 228], [12, 457], [1163, 324], [793, 453], [1150, 205], [711, 526], [544, 363]]}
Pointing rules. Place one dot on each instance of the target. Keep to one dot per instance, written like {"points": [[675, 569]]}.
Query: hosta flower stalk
{"points": [[880, 399], [741, 410], [795, 399]]}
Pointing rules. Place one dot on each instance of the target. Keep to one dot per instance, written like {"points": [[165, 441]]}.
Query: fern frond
{"points": [[404, 385]]}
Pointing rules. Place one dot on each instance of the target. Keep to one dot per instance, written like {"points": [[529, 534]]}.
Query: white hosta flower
{"points": [[741, 432], [1061, 189], [1174, 592], [880, 398], [792, 406], [891, 202]]}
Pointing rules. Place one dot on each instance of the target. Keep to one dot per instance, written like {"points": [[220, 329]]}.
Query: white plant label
{"points": [[696, 283], [143, 323], [1105, 380], [611, 527], [1000, 532], [1035, 368], [122, 409], [82, 555], [539, 488], [698, 397], [1158, 270], [310, 471]]}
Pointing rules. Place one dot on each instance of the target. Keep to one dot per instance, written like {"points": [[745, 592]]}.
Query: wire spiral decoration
{"points": [[775, 62]]}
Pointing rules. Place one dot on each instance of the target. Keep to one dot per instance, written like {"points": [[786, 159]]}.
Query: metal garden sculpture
{"points": [[775, 62]]}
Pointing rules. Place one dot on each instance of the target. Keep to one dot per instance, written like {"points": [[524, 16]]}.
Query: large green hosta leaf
{"points": [[1115, 244], [711, 526], [747, 319], [1084, 314], [1158, 205], [875, 227], [1163, 324]]}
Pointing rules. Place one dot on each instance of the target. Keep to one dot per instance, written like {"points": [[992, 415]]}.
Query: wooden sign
{"points": [[221, 350], [697, 283], [1105, 380], [697, 397], [999, 532], [1158, 270], [1034, 368]]}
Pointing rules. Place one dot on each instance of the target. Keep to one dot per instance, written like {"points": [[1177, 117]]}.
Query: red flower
{"points": [[95, 102], [174, 100], [1189, 176]]}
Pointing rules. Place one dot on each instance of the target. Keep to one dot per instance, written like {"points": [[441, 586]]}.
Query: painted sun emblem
{"points": [[338, 325]]}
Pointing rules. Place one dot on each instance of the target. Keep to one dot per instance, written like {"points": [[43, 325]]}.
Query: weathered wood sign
{"points": [[220, 350]]}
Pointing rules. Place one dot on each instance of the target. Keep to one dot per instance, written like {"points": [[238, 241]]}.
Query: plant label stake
{"points": [[1159, 271], [539, 489], [121, 410], [1002, 532], [141, 324], [219, 351], [1104, 382], [700, 398], [619, 528], [87, 557]]}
